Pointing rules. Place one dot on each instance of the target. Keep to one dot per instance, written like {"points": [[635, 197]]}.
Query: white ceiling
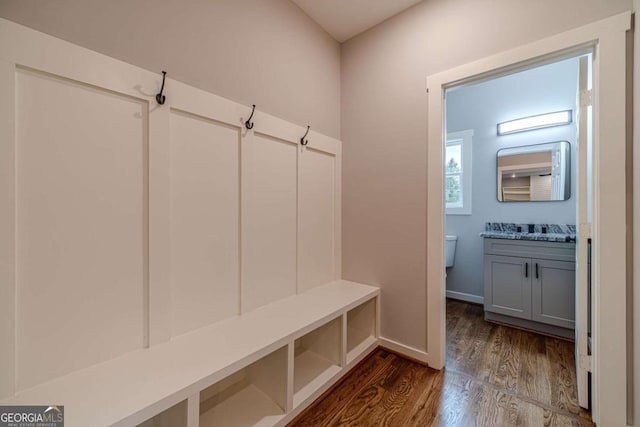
{"points": [[344, 19]]}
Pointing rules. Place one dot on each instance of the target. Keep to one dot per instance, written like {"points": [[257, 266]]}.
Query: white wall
{"points": [[481, 107], [384, 129], [264, 52]]}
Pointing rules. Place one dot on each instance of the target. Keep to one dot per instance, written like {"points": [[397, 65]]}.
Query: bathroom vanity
{"points": [[529, 278]]}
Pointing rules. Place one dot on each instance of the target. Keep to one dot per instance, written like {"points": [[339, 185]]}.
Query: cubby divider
{"points": [[361, 329]]}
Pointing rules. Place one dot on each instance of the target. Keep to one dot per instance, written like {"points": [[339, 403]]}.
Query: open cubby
{"points": [[361, 329], [253, 396], [176, 416], [318, 356]]}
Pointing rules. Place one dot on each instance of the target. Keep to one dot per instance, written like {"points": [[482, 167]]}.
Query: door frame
{"points": [[607, 39]]}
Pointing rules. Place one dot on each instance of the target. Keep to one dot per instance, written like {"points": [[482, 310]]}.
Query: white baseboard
{"points": [[465, 297], [405, 350]]}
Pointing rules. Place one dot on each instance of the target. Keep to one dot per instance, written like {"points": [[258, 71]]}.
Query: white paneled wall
{"points": [[205, 212], [80, 244], [269, 220], [125, 223], [317, 179]]}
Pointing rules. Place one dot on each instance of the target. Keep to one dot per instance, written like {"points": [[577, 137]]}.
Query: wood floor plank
{"points": [[491, 359], [428, 403], [369, 396], [407, 382], [386, 392], [494, 376], [563, 390], [474, 356], [429, 381], [534, 360], [505, 374], [331, 406]]}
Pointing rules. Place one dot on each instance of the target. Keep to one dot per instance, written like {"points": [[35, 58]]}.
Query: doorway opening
{"points": [[517, 185], [607, 40]]}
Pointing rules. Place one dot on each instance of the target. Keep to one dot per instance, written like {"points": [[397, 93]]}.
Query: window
{"points": [[457, 173]]}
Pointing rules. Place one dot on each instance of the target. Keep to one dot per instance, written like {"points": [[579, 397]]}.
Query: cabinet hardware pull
{"points": [[526, 269], [537, 273]]}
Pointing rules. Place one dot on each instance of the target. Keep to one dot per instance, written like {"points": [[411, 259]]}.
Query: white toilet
{"points": [[450, 249]]}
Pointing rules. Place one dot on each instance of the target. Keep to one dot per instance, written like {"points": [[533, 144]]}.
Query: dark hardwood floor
{"points": [[494, 376]]}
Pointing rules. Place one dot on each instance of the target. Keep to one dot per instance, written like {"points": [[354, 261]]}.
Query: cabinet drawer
{"points": [[531, 249]]}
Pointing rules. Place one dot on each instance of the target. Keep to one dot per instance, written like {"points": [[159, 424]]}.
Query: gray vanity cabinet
{"points": [[530, 284]]}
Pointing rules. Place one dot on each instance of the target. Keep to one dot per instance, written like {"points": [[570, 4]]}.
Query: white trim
{"points": [[461, 296], [404, 350], [466, 136], [193, 410], [636, 219], [7, 228], [584, 226], [608, 38]]}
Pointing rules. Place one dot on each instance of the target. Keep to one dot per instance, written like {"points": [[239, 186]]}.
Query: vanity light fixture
{"points": [[535, 122]]}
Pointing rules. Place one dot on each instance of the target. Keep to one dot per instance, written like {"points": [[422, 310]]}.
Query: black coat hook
{"points": [[160, 98], [302, 140], [248, 123]]}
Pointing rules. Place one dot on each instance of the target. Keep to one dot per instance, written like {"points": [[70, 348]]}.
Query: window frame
{"points": [[464, 139]]}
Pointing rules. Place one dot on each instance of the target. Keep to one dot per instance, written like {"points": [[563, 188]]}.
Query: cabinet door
{"points": [[554, 292], [507, 285]]}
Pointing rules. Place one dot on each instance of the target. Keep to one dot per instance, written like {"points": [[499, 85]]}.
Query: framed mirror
{"points": [[535, 173]]}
